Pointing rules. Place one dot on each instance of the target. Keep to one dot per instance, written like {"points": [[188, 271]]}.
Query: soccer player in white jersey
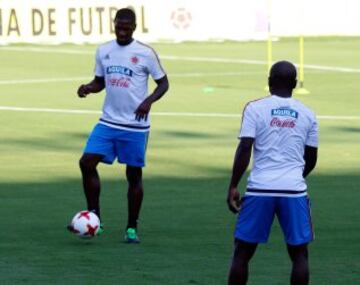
{"points": [[283, 135], [122, 68]]}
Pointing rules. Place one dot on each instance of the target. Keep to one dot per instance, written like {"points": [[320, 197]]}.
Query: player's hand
{"points": [[233, 200], [83, 91], [142, 112]]}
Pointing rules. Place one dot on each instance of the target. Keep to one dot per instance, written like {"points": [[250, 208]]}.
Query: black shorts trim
{"points": [[125, 125], [272, 191]]}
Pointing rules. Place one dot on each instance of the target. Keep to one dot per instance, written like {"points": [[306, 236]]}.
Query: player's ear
{"points": [[294, 84]]}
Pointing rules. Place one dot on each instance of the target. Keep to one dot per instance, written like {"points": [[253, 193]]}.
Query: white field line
{"points": [[257, 62], [183, 58], [42, 80], [48, 110], [166, 114], [48, 50], [69, 79]]}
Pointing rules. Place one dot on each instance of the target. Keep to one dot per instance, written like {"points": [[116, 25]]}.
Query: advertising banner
{"points": [[91, 21]]}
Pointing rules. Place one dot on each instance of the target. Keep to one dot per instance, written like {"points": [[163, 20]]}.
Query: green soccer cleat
{"points": [[101, 230], [131, 236]]}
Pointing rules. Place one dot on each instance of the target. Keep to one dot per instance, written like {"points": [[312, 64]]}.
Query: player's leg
{"points": [[300, 264], [99, 148], [239, 269], [91, 180], [135, 194], [253, 226], [295, 220], [131, 150]]}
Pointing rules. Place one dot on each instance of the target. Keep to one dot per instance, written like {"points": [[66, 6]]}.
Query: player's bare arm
{"points": [[94, 86], [162, 85], [310, 157], [241, 163]]}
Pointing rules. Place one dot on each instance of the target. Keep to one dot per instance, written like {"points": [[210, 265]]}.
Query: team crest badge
{"points": [[134, 60]]}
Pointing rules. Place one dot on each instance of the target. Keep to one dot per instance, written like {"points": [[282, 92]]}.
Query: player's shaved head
{"points": [[125, 25], [126, 14], [284, 69], [282, 76]]}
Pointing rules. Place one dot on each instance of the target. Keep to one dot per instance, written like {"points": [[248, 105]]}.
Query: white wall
{"points": [[78, 21]]}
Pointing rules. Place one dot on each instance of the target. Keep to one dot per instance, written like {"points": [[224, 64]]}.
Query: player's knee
{"points": [[299, 259], [298, 253], [239, 261], [87, 164], [134, 176], [244, 251]]}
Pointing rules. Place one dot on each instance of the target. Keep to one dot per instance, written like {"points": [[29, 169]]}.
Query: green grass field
{"points": [[185, 227]]}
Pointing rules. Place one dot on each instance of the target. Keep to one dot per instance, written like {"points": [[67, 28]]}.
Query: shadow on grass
{"points": [[346, 129], [77, 140], [58, 141], [185, 228], [185, 135]]}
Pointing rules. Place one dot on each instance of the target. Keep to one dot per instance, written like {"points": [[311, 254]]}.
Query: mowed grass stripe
{"points": [[166, 114], [188, 58], [69, 79]]}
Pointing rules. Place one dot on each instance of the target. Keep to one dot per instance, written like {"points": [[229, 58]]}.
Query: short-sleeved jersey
{"points": [[281, 127], [126, 70]]}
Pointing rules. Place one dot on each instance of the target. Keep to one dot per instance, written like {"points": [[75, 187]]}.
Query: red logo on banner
{"points": [[181, 18]]}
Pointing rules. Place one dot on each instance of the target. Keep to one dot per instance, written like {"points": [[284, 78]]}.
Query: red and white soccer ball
{"points": [[85, 224]]}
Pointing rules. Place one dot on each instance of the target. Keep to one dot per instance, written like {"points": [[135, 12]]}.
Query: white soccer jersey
{"points": [[281, 127], [126, 70]]}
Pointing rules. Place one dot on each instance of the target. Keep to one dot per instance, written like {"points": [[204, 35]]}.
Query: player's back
{"points": [[281, 128]]}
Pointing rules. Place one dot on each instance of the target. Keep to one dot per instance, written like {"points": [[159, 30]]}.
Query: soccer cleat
{"points": [[131, 236], [101, 230]]}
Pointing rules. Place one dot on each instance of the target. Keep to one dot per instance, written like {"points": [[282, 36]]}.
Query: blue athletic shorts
{"points": [[257, 215], [129, 147]]}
